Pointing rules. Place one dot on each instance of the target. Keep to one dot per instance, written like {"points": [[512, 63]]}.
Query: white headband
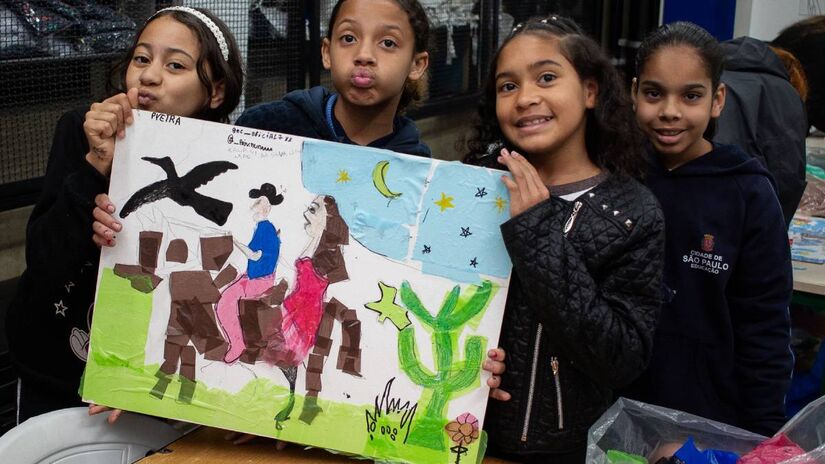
{"points": [[216, 32]]}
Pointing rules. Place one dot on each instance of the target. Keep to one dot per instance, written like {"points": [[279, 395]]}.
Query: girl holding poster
{"points": [[185, 62], [585, 238]]}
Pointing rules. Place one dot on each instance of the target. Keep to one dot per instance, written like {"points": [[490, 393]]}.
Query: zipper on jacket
{"points": [[572, 219], [532, 388], [554, 364]]}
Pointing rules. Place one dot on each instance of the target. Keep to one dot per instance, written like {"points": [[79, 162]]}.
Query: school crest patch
{"points": [[707, 243]]}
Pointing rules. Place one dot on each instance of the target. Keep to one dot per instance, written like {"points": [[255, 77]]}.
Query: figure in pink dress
{"points": [[300, 330]]}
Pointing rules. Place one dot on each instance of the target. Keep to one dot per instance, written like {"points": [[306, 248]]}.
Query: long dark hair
{"points": [[328, 258], [413, 90], [612, 138], [690, 35], [231, 71]]}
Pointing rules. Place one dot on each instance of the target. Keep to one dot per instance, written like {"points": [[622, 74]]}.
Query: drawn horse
{"points": [[282, 330]]}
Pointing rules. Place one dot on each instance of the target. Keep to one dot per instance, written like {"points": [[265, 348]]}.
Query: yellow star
{"points": [[343, 176], [445, 202], [501, 203]]}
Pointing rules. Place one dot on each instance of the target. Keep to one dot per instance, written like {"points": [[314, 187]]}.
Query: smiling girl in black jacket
{"points": [[586, 239]]}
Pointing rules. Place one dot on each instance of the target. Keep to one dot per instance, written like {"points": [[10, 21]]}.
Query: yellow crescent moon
{"points": [[379, 178]]}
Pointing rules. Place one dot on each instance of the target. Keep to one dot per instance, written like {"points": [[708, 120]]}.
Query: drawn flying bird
{"points": [[181, 190]]}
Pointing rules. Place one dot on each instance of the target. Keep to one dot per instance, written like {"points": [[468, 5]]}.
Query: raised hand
{"points": [[495, 365], [526, 187], [106, 122], [105, 227]]}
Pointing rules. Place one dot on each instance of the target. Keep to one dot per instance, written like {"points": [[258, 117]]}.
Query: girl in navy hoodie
{"points": [[376, 53], [721, 349]]}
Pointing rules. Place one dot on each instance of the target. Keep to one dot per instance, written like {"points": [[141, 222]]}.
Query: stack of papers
{"points": [[807, 235]]}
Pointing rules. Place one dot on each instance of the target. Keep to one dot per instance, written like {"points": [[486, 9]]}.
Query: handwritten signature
{"points": [[386, 406]]}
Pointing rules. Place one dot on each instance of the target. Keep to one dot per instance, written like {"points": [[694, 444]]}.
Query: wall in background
{"points": [[764, 19]]}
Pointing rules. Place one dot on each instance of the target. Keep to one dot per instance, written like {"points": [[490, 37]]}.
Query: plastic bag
{"points": [[817, 456], [638, 428], [807, 429], [778, 449], [689, 454]]}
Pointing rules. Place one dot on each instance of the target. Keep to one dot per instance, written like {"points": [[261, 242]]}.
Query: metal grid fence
{"points": [[55, 56]]}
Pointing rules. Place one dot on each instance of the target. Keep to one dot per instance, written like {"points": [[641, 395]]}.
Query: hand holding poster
{"points": [[332, 295]]}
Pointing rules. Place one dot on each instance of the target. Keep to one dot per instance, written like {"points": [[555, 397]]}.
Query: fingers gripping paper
{"points": [[331, 295]]}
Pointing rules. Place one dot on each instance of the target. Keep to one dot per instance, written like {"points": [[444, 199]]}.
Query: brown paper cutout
{"points": [[315, 365], [215, 251], [187, 362], [140, 278], [226, 276], [351, 331], [323, 345], [193, 285], [275, 295], [149, 246], [171, 356], [177, 251]]}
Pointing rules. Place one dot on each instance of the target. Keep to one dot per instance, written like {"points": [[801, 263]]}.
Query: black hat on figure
{"points": [[267, 190]]}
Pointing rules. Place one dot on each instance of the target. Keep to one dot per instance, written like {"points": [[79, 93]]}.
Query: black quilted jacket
{"points": [[581, 312]]}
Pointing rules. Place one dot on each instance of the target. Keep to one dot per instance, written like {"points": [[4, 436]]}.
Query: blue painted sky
{"points": [[458, 235], [464, 238]]}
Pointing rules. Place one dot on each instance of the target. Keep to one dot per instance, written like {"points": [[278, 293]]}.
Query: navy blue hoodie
{"points": [[303, 113], [722, 347], [764, 115]]}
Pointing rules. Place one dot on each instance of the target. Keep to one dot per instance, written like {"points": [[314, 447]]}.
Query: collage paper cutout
{"points": [[331, 295]]}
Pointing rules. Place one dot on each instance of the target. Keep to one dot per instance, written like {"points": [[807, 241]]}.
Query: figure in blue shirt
{"points": [[262, 254]]}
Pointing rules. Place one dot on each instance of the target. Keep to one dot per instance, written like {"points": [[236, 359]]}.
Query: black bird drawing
{"points": [[181, 190]]}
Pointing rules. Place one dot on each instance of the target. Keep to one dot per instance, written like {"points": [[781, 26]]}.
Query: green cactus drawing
{"points": [[450, 376]]}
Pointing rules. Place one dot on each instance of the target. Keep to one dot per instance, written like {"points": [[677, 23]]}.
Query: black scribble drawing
{"points": [[482, 192], [465, 232], [181, 190]]}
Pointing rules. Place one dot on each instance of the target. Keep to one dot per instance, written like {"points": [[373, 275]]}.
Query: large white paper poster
{"points": [[332, 295]]}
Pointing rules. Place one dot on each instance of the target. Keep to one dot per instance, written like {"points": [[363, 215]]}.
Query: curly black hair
{"points": [[612, 137]]}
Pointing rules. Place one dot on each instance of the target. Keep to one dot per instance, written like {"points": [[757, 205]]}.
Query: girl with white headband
{"points": [[184, 61]]}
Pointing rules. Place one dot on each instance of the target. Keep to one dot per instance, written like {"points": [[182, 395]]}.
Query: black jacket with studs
{"points": [[584, 298]]}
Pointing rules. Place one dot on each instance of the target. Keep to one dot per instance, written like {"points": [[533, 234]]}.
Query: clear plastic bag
{"points": [[639, 428], [807, 429], [817, 456]]}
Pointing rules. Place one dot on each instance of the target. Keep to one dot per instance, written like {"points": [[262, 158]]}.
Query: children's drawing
{"points": [[462, 431], [306, 320], [261, 254], [181, 190], [379, 179], [450, 375], [227, 312]]}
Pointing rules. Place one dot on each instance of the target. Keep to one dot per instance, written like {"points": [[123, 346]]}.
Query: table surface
{"points": [[207, 445], [809, 278]]}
